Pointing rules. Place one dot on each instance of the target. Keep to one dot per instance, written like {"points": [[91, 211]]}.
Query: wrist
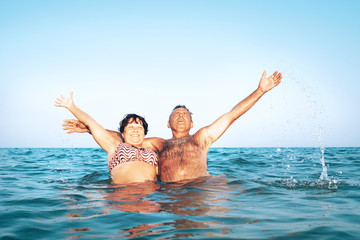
{"points": [[88, 129], [71, 107], [260, 91]]}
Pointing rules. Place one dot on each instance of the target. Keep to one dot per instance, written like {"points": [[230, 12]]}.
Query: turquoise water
{"points": [[253, 193]]}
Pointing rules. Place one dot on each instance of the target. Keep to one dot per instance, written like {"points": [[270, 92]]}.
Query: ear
{"points": [[192, 125], [168, 125], [121, 137]]}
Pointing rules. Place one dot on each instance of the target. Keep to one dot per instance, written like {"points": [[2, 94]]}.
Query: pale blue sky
{"points": [[148, 56]]}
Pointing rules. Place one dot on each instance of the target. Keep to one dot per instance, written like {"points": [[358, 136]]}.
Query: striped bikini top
{"points": [[127, 153]]}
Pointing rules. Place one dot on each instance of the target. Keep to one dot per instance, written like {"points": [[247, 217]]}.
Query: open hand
{"points": [[72, 126], [63, 101], [266, 84]]}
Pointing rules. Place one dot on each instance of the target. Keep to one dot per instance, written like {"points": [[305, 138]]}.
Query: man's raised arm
{"points": [[214, 131], [72, 126]]}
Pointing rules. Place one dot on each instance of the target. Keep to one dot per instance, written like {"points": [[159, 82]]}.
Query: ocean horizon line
{"points": [[210, 147]]}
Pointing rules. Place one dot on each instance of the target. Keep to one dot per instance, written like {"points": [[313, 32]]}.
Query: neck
{"points": [[177, 135], [138, 145]]}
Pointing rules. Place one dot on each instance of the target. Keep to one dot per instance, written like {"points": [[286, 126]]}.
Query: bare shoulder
{"points": [[154, 143], [202, 137], [115, 144]]}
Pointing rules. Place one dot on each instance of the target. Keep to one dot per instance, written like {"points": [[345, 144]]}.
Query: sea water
{"points": [[252, 193]]}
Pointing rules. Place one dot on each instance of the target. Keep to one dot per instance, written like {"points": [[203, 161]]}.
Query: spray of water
{"points": [[324, 175], [314, 110]]}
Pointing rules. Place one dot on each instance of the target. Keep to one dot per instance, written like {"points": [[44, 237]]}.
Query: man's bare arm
{"points": [[72, 126], [214, 131]]}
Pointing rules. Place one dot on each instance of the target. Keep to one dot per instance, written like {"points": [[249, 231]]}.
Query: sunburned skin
{"points": [[182, 159]]}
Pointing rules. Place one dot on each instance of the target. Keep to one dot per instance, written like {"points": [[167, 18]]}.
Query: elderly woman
{"points": [[128, 161]]}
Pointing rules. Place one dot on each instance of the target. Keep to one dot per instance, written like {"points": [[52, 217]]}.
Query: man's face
{"points": [[180, 119]]}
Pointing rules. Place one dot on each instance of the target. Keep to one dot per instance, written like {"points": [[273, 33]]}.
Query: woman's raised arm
{"points": [[105, 140]]}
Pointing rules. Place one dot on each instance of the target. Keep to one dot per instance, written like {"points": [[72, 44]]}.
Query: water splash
{"points": [[324, 175]]}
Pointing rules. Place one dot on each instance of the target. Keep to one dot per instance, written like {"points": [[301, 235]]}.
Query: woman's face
{"points": [[134, 133]]}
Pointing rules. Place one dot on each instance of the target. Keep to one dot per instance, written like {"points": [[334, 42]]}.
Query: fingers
{"points": [[67, 127], [70, 121], [274, 75], [268, 83], [277, 79], [59, 101], [57, 104], [263, 75]]}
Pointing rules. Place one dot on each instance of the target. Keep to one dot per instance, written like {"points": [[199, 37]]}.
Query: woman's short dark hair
{"points": [[131, 117]]}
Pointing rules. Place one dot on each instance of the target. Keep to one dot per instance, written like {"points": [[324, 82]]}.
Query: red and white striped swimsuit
{"points": [[127, 153]]}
